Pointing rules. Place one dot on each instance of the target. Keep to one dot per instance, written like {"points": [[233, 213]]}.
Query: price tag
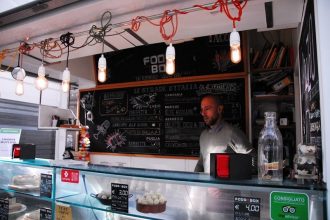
{"points": [[63, 212], [46, 184], [45, 214], [70, 176], [246, 208], [4, 209], [119, 197]]}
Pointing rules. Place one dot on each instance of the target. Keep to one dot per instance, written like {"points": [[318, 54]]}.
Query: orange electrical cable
{"points": [[169, 17]]}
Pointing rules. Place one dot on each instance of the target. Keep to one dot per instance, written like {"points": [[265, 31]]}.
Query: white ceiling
{"points": [[81, 16]]}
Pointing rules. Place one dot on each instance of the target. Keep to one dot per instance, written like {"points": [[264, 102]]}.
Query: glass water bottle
{"points": [[270, 150]]}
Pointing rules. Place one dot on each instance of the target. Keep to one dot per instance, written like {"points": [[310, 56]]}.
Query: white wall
{"points": [[52, 96], [323, 53]]}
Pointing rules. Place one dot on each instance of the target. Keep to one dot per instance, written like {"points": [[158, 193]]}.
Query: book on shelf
{"points": [[272, 58], [281, 84], [256, 56], [264, 65], [278, 56], [281, 56]]}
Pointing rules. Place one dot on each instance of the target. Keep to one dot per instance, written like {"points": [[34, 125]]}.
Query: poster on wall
{"points": [[309, 79], [8, 137]]}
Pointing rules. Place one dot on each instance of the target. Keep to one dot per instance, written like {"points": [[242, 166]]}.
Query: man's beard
{"points": [[211, 121]]}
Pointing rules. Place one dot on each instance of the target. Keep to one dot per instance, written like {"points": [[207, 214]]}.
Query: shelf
{"points": [[196, 178], [46, 113], [35, 194], [290, 126], [59, 128], [173, 210], [271, 69], [260, 98]]}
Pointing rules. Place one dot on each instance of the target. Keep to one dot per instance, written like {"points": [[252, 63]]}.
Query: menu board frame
{"points": [[309, 79], [87, 104]]}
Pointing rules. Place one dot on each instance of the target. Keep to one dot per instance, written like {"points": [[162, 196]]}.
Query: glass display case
{"points": [[103, 192], [26, 189]]}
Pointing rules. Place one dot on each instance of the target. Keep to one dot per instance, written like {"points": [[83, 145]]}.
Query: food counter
{"points": [[103, 192]]}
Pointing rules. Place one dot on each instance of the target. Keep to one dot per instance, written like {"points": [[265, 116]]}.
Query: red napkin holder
{"points": [[230, 166]]}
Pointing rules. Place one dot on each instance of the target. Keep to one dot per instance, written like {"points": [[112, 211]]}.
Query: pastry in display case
{"points": [[305, 163], [34, 215], [104, 197], [25, 182], [151, 202], [15, 207]]}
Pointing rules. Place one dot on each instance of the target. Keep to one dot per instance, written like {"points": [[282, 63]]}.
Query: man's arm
{"points": [[199, 166]]}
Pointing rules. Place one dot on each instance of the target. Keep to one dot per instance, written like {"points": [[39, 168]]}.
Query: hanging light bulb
{"points": [[66, 80], [41, 82], [170, 59], [102, 73], [19, 82], [19, 87], [235, 47]]}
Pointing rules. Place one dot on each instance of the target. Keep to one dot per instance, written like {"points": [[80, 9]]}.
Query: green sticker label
{"points": [[285, 205]]}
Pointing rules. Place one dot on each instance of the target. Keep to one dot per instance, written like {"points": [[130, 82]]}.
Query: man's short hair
{"points": [[216, 97]]}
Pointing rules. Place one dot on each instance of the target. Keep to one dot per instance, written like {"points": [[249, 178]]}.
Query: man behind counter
{"points": [[219, 134]]}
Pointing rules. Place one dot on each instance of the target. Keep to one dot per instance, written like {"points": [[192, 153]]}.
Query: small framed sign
{"points": [[119, 197], [246, 208], [46, 185]]}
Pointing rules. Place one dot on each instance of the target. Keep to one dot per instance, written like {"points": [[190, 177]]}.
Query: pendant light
{"points": [[19, 87], [100, 33], [235, 47], [41, 82], [170, 60], [19, 74], [68, 40], [102, 69]]}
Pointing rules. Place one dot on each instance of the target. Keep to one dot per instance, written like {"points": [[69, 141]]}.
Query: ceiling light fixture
{"points": [[102, 66], [235, 47], [99, 34], [170, 60], [19, 87], [19, 74], [169, 17], [68, 40], [41, 82]]}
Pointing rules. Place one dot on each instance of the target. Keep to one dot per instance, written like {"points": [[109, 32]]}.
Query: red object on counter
{"points": [[16, 151], [223, 165]]}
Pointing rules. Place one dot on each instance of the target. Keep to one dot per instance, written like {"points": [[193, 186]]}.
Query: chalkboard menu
{"points": [[158, 119], [199, 56], [310, 96]]}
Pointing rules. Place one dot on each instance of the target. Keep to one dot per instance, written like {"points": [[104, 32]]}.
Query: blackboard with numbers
{"points": [[158, 119]]}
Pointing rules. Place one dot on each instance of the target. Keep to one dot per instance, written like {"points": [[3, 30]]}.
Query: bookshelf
{"points": [[272, 85]]}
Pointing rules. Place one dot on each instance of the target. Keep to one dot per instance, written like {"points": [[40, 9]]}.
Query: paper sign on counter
{"points": [[63, 212]]}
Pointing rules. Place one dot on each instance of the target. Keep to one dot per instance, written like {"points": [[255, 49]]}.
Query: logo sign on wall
{"points": [[285, 205]]}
